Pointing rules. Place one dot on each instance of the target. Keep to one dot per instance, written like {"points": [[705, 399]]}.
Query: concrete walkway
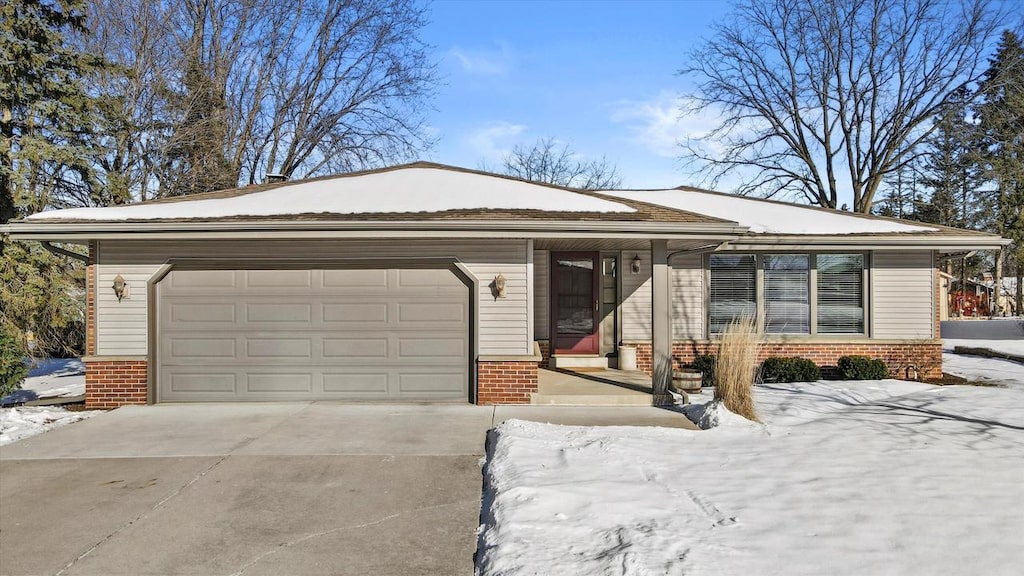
{"points": [[277, 488]]}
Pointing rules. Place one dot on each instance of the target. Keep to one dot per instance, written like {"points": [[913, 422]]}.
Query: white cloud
{"points": [[661, 125], [482, 62], [494, 140]]}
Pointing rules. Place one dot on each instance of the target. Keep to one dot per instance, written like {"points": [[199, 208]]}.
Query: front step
{"points": [[635, 399], [579, 361]]}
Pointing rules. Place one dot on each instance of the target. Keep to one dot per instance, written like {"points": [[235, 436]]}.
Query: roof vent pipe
{"points": [[275, 178]]}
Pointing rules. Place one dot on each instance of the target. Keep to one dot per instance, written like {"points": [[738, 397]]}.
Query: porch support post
{"points": [[661, 319]]}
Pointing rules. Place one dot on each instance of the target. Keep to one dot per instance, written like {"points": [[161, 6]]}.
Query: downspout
{"points": [[64, 252]]}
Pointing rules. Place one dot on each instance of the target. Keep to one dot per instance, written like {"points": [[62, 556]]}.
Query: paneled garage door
{"points": [[251, 335]]}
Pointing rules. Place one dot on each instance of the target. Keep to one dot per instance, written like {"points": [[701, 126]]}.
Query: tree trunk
{"points": [[7, 210]]}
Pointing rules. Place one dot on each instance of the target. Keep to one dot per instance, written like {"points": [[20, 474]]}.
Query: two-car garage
{"points": [[399, 333]]}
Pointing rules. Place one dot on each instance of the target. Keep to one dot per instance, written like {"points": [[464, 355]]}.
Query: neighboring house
{"points": [[430, 283], [976, 300]]}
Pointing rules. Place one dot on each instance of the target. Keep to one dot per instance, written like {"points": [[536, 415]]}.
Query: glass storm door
{"points": [[574, 292]]}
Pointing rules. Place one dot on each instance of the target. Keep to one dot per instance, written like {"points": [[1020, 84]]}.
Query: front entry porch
{"points": [[607, 387]]}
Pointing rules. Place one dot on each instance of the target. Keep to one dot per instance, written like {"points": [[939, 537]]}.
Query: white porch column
{"points": [[661, 319]]}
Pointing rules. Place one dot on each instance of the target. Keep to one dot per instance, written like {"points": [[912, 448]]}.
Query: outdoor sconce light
{"points": [[120, 287], [499, 286], [634, 264]]}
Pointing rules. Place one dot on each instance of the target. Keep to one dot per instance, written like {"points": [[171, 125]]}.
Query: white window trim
{"points": [[813, 295]]}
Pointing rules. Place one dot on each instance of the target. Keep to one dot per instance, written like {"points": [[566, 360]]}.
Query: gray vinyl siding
{"points": [[903, 294], [541, 290], [688, 297], [503, 322], [636, 297]]}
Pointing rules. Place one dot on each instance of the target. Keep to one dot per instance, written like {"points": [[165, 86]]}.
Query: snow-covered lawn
{"points": [[50, 378], [988, 370], [999, 335], [879, 477], [25, 421]]}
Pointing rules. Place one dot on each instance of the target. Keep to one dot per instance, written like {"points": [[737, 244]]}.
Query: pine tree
{"points": [[45, 123], [1001, 116], [950, 167], [45, 114]]}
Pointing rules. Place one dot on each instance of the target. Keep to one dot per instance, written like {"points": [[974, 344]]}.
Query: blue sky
{"points": [[598, 76]]}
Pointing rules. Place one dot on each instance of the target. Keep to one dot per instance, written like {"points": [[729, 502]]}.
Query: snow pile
{"points": [[879, 477], [767, 217], [1012, 347], [407, 190], [714, 414], [19, 423]]}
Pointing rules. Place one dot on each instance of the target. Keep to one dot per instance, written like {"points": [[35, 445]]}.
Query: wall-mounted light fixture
{"points": [[120, 287], [634, 264], [912, 372], [499, 286]]}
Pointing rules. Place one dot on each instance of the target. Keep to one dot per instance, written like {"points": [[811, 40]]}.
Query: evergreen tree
{"points": [[1001, 121], [45, 159], [45, 114], [950, 169]]}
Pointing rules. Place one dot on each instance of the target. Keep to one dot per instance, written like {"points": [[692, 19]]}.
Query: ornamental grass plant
{"points": [[736, 367]]}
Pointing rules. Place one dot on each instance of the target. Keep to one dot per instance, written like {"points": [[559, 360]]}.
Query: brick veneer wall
{"points": [[90, 302], [113, 383], [545, 352], [505, 382], [926, 355], [938, 295]]}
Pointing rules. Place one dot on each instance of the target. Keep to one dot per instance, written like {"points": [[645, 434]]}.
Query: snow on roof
{"points": [[767, 217], [407, 190]]}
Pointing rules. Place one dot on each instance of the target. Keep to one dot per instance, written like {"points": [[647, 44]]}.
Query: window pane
{"points": [[733, 293], [787, 307], [841, 294], [575, 296]]}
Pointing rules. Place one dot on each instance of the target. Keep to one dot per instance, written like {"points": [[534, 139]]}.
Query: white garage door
{"points": [[257, 335]]}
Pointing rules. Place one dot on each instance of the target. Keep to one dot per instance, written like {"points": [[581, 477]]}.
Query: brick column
{"points": [[112, 381], [545, 352], [505, 382], [90, 302]]}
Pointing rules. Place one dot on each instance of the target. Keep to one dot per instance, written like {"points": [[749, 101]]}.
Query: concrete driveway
{"points": [[289, 488]]}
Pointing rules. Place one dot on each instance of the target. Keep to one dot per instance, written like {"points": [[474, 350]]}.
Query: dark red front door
{"points": [[574, 302]]}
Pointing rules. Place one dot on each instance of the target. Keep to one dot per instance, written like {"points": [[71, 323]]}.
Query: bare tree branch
{"points": [[546, 162], [818, 95]]}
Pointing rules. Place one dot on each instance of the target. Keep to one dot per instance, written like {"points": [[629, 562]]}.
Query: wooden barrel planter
{"points": [[688, 382]]}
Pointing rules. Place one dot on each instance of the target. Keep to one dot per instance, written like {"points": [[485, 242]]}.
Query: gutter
{"points": [[698, 250], [958, 255], [941, 242], [63, 252]]}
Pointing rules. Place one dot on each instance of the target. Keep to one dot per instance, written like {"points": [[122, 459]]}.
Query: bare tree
{"points": [[220, 92], [819, 95], [546, 162]]}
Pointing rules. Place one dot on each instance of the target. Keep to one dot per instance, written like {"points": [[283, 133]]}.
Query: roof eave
{"points": [[98, 230], [943, 242]]}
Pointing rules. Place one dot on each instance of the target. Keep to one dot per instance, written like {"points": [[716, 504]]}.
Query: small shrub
{"points": [[862, 368], [12, 362], [777, 369], [705, 364], [736, 368]]}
